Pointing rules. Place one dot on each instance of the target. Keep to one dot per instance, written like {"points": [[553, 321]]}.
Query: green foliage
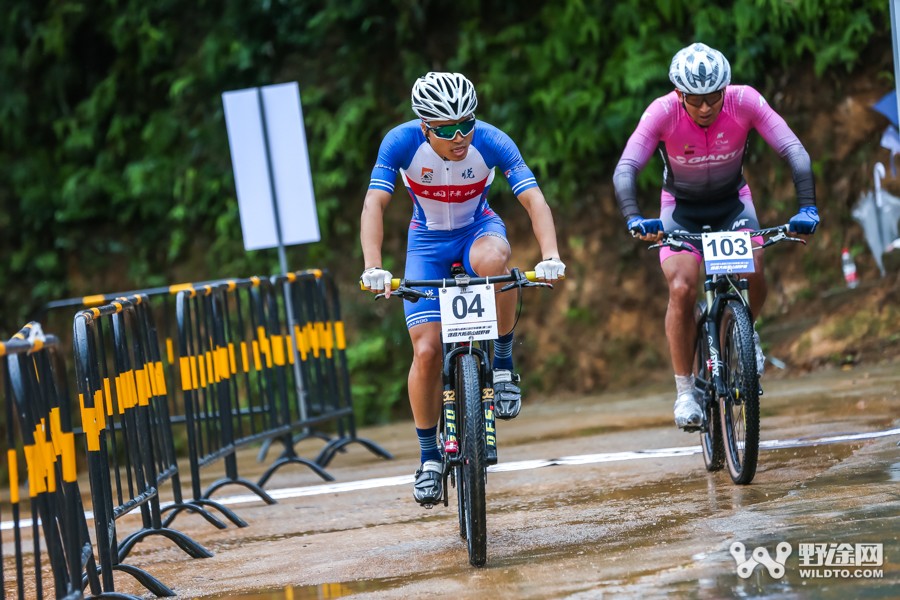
{"points": [[383, 353], [117, 171]]}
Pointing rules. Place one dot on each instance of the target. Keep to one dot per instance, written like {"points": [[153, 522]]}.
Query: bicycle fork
{"points": [[490, 430]]}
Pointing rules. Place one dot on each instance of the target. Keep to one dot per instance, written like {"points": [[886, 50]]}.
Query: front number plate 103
{"points": [[728, 252], [468, 313]]}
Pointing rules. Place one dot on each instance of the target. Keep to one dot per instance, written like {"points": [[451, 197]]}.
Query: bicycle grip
{"points": [[395, 283], [531, 276]]}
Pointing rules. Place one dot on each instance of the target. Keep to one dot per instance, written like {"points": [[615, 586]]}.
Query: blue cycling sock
{"points": [[503, 352], [428, 444]]}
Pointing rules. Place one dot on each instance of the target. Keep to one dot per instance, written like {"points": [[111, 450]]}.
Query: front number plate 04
{"points": [[468, 313], [728, 252]]}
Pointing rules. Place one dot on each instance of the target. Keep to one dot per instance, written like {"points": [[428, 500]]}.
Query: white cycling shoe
{"points": [[688, 413]]}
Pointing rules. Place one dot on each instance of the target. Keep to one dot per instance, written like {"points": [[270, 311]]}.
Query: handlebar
{"points": [[677, 239], [405, 288]]}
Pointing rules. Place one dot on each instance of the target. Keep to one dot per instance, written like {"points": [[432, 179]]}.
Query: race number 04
{"points": [[462, 309], [468, 313]]}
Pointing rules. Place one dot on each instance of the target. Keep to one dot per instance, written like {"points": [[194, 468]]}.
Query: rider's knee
{"points": [[427, 353], [490, 259], [682, 291]]}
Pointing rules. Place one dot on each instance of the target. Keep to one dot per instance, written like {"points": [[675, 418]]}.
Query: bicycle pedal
{"points": [[427, 505], [692, 428]]}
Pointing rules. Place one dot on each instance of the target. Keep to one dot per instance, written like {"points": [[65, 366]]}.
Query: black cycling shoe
{"points": [[429, 486], [507, 395]]}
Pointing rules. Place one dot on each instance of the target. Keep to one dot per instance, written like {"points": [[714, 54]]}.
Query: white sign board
{"points": [[728, 252], [291, 178], [468, 313]]}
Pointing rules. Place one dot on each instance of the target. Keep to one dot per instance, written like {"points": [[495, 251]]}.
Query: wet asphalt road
{"points": [[594, 497]]}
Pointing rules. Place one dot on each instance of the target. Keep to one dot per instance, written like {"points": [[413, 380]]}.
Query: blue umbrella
{"points": [[888, 106]]}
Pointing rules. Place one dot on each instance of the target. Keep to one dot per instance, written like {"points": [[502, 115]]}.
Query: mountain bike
{"points": [[724, 366], [468, 437]]}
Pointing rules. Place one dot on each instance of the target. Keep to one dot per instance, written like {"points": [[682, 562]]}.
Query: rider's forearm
{"points": [[541, 221], [801, 168], [371, 233], [625, 184]]}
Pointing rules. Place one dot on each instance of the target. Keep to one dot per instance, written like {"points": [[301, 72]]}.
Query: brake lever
{"points": [[526, 283], [677, 244], [406, 293]]}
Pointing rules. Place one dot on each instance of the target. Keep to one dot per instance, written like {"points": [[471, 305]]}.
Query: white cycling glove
{"points": [[377, 279], [550, 269]]}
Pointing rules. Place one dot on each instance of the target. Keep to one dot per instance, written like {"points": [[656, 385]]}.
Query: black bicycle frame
{"points": [[719, 290]]}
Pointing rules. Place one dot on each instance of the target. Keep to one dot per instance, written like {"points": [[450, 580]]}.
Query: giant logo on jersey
{"points": [[697, 160]]}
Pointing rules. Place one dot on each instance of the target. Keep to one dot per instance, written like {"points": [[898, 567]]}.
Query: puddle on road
{"points": [[323, 591], [718, 577]]}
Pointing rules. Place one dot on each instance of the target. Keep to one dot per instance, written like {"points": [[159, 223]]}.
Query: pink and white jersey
{"points": [[448, 194], [705, 164]]}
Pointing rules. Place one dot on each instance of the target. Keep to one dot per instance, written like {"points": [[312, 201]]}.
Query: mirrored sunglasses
{"points": [[697, 100], [448, 132]]}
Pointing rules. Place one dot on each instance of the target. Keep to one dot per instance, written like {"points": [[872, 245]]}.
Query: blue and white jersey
{"points": [[448, 194]]}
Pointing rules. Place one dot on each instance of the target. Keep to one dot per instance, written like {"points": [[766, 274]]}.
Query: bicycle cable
{"points": [[518, 308], [738, 292]]}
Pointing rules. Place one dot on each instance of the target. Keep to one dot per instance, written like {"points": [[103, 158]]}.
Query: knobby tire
{"points": [[740, 406], [474, 466], [711, 439], [460, 499]]}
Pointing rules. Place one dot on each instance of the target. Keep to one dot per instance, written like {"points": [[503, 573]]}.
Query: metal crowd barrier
{"points": [[229, 369], [319, 331], [258, 360], [124, 416], [41, 449]]}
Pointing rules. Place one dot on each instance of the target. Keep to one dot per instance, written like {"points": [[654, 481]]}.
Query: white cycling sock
{"points": [[684, 384]]}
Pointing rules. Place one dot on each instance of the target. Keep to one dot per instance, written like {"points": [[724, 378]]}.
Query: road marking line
{"points": [[584, 459], [565, 460]]}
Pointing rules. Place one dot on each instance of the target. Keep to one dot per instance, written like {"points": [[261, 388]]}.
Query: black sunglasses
{"points": [[697, 100]]}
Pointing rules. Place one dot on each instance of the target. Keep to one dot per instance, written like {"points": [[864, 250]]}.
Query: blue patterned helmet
{"points": [[699, 69]]}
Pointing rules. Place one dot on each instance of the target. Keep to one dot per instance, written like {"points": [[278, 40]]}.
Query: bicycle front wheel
{"points": [[710, 439], [460, 499], [740, 405], [474, 466]]}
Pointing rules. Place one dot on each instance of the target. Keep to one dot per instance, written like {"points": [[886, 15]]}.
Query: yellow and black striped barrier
{"points": [[123, 403], [237, 362], [319, 334], [40, 457]]}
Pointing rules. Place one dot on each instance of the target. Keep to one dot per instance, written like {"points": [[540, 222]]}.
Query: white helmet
{"points": [[698, 69], [443, 96]]}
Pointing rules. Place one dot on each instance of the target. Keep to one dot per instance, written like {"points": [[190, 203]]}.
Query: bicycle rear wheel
{"points": [[474, 467], [740, 405], [711, 439]]}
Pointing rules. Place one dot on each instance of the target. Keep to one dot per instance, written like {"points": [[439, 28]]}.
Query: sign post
{"points": [[273, 180]]}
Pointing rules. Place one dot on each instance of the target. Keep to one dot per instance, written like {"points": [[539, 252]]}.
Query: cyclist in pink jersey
{"points": [[446, 161], [701, 130]]}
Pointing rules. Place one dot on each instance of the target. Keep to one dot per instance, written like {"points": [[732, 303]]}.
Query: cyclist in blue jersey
{"points": [[446, 160]]}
